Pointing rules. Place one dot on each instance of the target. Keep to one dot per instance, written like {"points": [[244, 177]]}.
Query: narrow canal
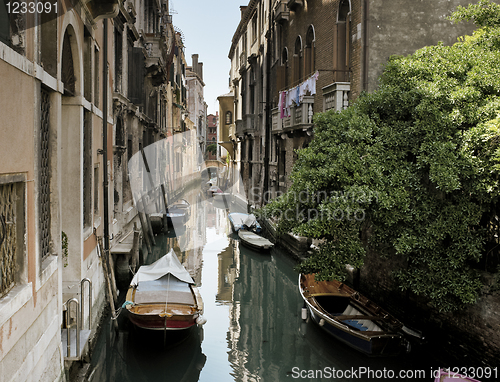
{"points": [[254, 331]]}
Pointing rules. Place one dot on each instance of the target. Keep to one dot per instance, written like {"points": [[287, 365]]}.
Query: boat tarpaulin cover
{"points": [[161, 267]]}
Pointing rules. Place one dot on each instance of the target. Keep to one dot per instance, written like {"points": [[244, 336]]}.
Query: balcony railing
{"points": [[156, 57], [300, 117], [243, 60], [281, 12], [239, 128], [336, 96], [248, 123]]}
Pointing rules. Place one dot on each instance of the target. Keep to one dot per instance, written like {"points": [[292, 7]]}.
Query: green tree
{"points": [[409, 171], [212, 148]]}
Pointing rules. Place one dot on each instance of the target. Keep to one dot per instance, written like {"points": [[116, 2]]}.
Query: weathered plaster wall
{"points": [[400, 27]]}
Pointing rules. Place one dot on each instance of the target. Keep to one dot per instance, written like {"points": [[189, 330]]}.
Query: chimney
{"points": [[200, 70], [194, 59], [243, 8]]}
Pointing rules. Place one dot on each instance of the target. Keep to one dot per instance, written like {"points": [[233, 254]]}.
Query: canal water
{"points": [[254, 330]]}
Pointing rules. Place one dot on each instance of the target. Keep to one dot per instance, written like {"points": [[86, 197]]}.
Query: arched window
{"points": [[343, 46], [67, 72], [283, 70], [297, 60], [309, 51], [229, 117]]}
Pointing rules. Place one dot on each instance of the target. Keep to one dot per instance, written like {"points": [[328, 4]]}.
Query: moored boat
{"points": [[254, 241], [163, 296], [181, 204], [352, 318], [176, 216], [241, 220]]}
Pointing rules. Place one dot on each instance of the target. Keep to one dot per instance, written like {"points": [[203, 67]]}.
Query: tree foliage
{"points": [[212, 148], [409, 171]]}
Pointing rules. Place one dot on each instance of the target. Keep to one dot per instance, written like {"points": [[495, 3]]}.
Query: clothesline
{"points": [[296, 95]]}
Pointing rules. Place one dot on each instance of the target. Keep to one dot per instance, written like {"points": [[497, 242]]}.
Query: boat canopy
{"points": [[161, 267]]}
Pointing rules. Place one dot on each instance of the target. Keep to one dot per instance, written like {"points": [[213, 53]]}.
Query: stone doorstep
{"points": [[84, 340]]}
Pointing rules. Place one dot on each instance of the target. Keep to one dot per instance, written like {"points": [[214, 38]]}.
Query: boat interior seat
{"points": [[362, 325]]}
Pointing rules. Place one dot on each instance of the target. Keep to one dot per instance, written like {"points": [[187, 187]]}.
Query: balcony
{"points": [[239, 128], [156, 57], [243, 60], [281, 13], [232, 132], [249, 124], [336, 96], [300, 118]]}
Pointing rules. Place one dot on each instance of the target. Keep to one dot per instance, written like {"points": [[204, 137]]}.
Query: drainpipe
{"points": [[365, 47], [105, 133], [268, 125]]}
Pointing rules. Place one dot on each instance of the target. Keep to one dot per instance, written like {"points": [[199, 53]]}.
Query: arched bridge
{"points": [[214, 163]]}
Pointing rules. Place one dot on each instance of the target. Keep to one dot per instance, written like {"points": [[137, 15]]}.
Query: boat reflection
{"points": [[149, 359]]}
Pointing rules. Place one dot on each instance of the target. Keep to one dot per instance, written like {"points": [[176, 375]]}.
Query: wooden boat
{"points": [[181, 204], [176, 216], [450, 376], [352, 318], [241, 220], [162, 296], [254, 241]]}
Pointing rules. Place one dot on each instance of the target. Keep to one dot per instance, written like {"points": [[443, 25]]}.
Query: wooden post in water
{"points": [[109, 286], [144, 225]]}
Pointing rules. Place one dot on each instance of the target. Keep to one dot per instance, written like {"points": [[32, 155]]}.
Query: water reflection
{"points": [[254, 330]]}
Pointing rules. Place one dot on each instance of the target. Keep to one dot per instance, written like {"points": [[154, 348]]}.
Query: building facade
{"points": [[212, 136], [291, 59], [197, 107], [95, 84]]}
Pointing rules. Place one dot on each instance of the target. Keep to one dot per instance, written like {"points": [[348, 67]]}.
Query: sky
{"points": [[208, 27]]}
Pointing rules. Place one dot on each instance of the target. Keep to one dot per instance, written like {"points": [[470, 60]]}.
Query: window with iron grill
{"points": [[44, 176], [8, 236]]}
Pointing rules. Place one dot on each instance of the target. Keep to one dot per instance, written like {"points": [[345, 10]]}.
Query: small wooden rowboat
{"points": [[352, 318], [162, 296], [254, 241]]}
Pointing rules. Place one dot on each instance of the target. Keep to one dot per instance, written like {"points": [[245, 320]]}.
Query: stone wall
{"points": [[470, 337]]}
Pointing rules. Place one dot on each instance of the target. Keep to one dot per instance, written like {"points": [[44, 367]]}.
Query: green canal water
{"points": [[254, 330]]}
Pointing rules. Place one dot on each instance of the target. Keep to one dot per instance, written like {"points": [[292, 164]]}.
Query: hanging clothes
{"points": [[296, 95]]}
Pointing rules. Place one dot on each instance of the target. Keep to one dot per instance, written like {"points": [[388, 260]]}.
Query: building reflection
{"points": [[263, 338]]}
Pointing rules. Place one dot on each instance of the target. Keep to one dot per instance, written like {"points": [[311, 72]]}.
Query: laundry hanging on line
{"points": [[296, 95]]}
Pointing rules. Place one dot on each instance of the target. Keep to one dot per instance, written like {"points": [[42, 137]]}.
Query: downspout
{"points": [[268, 108], [105, 133], [364, 80]]}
